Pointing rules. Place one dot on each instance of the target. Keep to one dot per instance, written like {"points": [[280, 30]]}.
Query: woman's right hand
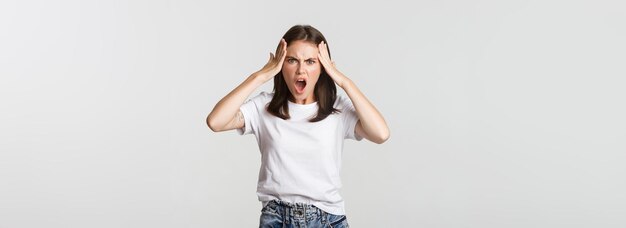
{"points": [[275, 63], [226, 114]]}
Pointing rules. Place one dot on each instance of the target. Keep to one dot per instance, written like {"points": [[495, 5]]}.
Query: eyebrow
{"points": [[291, 57]]}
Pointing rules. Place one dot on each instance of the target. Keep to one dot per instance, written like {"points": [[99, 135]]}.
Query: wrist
{"points": [[258, 78], [345, 82], [264, 76], [341, 79]]}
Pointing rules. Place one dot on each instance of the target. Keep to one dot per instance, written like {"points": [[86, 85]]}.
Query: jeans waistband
{"points": [[295, 211], [292, 205]]}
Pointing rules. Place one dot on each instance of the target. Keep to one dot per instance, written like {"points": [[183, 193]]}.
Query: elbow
{"points": [[382, 138], [211, 124]]}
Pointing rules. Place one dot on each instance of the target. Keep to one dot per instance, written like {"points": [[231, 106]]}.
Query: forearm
{"points": [[372, 121], [227, 107]]}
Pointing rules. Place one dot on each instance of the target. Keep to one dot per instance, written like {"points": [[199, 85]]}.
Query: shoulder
{"points": [[262, 97], [257, 102]]}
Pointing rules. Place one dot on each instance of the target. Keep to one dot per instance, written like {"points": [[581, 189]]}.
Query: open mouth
{"points": [[300, 85]]}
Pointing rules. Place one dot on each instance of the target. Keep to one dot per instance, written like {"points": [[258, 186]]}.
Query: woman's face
{"points": [[301, 69]]}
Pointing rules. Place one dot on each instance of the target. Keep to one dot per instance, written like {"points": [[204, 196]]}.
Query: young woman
{"points": [[300, 128]]}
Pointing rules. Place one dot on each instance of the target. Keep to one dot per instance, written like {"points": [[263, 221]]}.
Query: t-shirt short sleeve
{"points": [[350, 118], [251, 111]]}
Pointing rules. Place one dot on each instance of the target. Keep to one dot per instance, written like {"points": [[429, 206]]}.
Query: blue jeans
{"points": [[279, 214]]}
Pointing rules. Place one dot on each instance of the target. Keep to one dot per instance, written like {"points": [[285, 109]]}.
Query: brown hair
{"points": [[325, 90]]}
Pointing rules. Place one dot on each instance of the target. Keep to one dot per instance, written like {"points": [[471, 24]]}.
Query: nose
{"points": [[300, 69]]}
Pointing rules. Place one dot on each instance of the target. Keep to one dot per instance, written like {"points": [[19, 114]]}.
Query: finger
{"points": [[326, 50], [271, 56], [280, 46], [323, 55], [283, 50], [280, 43], [323, 50], [322, 59], [320, 47], [282, 57]]}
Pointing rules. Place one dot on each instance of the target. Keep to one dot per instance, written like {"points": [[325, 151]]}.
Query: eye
{"points": [[291, 61], [310, 61]]}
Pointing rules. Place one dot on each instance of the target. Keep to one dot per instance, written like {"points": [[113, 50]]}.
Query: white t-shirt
{"points": [[300, 160]]}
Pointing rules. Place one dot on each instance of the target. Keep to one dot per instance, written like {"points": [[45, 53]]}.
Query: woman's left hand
{"points": [[371, 124], [329, 65]]}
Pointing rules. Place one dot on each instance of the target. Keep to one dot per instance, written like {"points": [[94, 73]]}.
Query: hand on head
{"points": [[328, 64], [275, 63]]}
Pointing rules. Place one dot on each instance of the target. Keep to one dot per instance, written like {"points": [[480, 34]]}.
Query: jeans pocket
{"points": [[270, 209], [338, 221]]}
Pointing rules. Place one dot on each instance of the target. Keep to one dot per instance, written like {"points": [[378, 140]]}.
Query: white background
{"points": [[502, 113]]}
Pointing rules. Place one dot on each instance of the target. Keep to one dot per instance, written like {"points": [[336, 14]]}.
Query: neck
{"points": [[307, 100]]}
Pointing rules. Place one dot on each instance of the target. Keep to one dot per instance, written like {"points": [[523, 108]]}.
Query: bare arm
{"points": [[226, 115], [371, 124]]}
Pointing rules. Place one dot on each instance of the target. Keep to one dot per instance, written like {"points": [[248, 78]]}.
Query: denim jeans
{"points": [[279, 214]]}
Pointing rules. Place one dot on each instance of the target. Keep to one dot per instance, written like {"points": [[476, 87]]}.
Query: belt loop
{"points": [[286, 217]]}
